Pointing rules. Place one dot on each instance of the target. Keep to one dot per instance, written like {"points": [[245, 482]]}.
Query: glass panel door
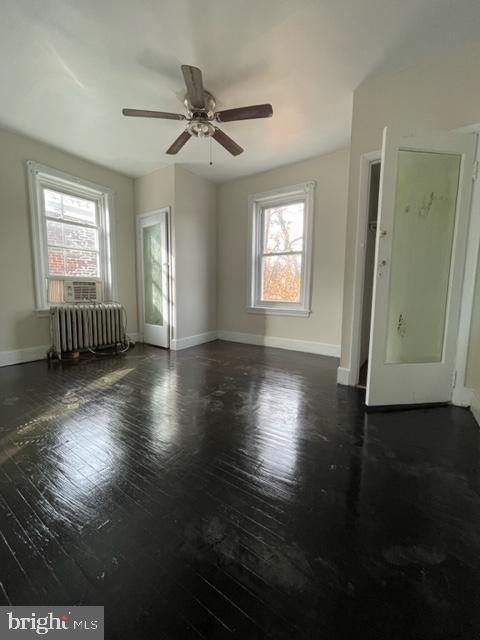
{"points": [[153, 278], [424, 211]]}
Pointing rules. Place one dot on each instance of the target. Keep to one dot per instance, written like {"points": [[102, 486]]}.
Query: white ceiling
{"points": [[67, 67]]}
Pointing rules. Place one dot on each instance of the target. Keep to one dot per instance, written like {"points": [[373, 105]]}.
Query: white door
{"points": [[153, 277], [424, 209]]}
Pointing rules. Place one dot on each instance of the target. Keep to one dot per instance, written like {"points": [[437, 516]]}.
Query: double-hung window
{"points": [[71, 221], [280, 258]]}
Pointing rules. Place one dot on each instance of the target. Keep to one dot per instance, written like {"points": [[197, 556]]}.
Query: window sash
{"points": [[76, 223], [261, 254]]}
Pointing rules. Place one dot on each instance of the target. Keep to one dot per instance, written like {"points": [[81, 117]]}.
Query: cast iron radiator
{"points": [[80, 327]]}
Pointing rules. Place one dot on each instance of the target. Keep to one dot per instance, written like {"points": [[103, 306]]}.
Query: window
{"points": [[71, 222], [280, 258]]}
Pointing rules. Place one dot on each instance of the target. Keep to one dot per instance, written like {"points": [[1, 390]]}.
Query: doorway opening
{"points": [[368, 272]]}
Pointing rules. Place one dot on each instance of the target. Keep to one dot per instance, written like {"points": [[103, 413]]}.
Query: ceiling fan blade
{"points": [[245, 113], [194, 83], [229, 144], [142, 113], [183, 138]]}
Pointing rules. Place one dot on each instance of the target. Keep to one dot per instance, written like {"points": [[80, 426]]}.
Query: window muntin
{"points": [[280, 257]]}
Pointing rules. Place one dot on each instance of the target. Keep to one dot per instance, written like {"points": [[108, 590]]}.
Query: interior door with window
{"points": [[153, 276], [424, 210]]}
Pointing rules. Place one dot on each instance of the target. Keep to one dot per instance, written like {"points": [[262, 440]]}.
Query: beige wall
{"points": [[440, 93], [20, 328], [195, 229], [155, 190], [194, 234], [324, 324]]}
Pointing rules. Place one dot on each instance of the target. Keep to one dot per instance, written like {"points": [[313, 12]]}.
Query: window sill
{"points": [[277, 311]]}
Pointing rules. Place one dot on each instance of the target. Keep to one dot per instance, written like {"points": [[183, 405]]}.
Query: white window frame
{"points": [[41, 176], [304, 192]]}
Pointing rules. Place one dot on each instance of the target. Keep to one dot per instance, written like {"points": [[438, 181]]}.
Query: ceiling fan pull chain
{"points": [[211, 163]]}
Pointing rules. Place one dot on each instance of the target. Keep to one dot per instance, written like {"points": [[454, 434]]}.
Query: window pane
{"points": [[281, 278], [68, 235], [60, 205], [81, 263], [56, 262], [152, 274], [283, 228], [53, 203], [72, 262]]}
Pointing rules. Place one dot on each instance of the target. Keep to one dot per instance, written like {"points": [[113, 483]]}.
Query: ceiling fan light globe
{"points": [[201, 129]]}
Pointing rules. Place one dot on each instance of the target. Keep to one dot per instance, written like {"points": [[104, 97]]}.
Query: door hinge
{"points": [[475, 170], [454, 379]]}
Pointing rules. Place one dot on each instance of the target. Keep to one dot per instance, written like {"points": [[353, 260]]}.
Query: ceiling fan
{"points": [[201, 115]]}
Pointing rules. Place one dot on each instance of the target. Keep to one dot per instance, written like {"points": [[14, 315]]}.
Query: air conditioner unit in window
{"points": [[80, 291]]}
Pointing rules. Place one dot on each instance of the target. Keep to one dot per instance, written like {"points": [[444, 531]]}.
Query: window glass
{"points": [[73, 249], [281, 278], [68, 207], [72, 236], [283, 228], [73, 262], [282, 252]]}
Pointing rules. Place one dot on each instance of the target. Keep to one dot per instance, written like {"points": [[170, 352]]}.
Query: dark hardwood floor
{"points": [[235, 491]]}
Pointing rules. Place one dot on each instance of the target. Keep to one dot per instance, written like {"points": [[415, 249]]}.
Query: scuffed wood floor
{"points": [[235, 491]]}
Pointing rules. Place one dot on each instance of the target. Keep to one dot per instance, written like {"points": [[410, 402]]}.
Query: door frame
{"points": [[462, 395], [366, 161], [140, 306]]}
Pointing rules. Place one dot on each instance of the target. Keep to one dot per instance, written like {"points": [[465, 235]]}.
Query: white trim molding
{"points": [[20, 356], [343, 376], [470, 272], [41, 176], [475, 406], [366, 162], [307, 346], [298, 193], [462, 396], [192, 341]]}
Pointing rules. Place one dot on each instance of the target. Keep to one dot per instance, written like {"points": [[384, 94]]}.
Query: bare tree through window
{"points": [[282, 252]]}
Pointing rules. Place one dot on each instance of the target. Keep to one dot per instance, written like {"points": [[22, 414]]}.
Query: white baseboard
{"points": [[135, 337], [307, 346], [23, 355], [30, 354], [343, 376], [192, 341], [462, 396], [475, 406]]}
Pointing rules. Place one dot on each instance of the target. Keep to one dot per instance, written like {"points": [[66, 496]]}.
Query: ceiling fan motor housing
{"points": [[208, 111]]}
